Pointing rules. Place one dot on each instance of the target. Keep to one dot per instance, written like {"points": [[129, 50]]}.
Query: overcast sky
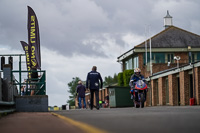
{"points": [[77, 34]]}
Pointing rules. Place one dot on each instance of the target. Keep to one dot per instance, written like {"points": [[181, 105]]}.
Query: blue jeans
{"points": [[80, 104]]}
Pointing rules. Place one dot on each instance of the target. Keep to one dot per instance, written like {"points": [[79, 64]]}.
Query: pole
{"points": [[177, 64], [150, 58], [146, 43], [150, 53], [150, 65], [20, 74]]}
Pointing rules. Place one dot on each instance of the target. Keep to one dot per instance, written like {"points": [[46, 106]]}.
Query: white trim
{"points": [[125, 55], [142, 49]]}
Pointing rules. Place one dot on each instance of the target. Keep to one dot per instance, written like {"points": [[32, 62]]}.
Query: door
{"points": [[178, 90], [191, 86]]}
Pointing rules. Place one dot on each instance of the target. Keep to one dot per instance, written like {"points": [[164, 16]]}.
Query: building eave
{"points": [[142, 50], [125, 55], [165, 50]]}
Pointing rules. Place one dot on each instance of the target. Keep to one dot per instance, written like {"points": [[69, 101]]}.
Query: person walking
{"points": [[92, 82], [80, 89]]}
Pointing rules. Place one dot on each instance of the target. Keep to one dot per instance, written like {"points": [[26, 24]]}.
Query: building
{"points": [[176, 86], [173, 49]]}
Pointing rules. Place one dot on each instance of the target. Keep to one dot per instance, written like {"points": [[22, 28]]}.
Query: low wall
{"points": [[38, 103]]}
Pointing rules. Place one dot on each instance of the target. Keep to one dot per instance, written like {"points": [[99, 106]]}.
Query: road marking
{"points": [[85, 127]]}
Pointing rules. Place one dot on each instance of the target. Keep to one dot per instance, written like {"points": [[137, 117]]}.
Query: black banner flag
{"points": [[34, 39], [27, 49]]}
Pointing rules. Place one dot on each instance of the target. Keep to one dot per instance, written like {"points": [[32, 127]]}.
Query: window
{"points": [[144, 58], [132, 63], [194, 57], [169, 57], [156, 58], [135, 62], [129, 64]]}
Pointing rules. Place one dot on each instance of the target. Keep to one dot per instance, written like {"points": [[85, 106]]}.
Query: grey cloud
{"points": [[65, 24]]}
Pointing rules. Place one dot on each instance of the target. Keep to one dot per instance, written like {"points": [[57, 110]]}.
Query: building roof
{"points": [[171, 37]]}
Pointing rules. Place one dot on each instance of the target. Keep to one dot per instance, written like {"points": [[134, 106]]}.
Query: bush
{"points": [[126, 76], [120, 79]]}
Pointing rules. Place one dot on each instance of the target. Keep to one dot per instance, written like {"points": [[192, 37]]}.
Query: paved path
{"points": [[35, 123], [167, 119]]}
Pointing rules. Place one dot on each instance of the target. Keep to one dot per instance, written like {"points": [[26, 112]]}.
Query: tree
{"points": [[109, 80], [115, 78], [72, 90]]}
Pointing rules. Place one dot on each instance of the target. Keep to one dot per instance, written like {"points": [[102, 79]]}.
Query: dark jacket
{"points": [[92, 81], [80, 89]]}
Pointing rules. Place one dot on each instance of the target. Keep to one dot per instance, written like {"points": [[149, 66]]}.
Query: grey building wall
{"points": [[0, 88], [8, 89]]}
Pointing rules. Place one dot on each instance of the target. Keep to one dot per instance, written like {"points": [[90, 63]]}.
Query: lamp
{"points": [[177, 58]]}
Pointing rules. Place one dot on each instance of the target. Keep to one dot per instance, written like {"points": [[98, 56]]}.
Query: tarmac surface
{"points": [[157, 119], [164, 119], [35, 123]]}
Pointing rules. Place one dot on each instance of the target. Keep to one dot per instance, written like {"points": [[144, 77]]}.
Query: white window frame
{"points": [[135, 62]]}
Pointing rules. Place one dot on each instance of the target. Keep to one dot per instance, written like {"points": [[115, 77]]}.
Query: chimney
{"points": [[167, 20]]}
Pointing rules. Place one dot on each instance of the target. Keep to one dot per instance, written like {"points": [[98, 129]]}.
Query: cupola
{"points": [[167, 20]]}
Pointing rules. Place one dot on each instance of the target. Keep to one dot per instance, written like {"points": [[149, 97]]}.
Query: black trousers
{"points": [[96, 91]]}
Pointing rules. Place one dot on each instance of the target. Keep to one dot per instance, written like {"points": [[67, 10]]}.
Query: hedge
{"points": [[124, 77], [120, 79]]}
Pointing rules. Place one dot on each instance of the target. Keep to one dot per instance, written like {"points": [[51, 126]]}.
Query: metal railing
{"points": [[36, 84]]}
